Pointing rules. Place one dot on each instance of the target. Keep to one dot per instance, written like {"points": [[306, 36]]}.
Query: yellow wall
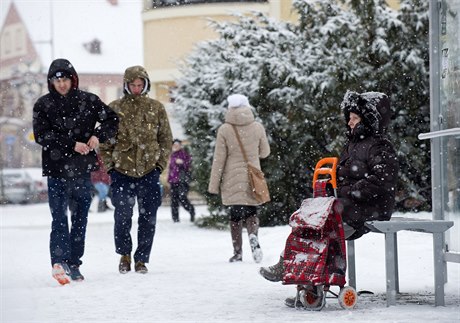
{"points": [[395, 4], [170, 34], [282, 10]]}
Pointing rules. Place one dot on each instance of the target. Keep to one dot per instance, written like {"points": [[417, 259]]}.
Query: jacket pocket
{"points": [[123, 157]]}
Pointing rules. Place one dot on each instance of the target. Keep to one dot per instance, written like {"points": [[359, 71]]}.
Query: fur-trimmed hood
{"points": [[373, 108]]}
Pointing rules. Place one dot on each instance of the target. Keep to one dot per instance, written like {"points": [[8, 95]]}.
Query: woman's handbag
{"points": [[256, 176]]}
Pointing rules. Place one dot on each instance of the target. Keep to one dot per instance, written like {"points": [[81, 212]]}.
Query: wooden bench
{"points": [[390, 230]]}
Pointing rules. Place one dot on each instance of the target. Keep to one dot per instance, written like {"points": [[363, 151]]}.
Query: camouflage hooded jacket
{"points": [[144, 135]]}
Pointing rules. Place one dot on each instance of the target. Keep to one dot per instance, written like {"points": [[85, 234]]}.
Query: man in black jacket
{"points": [[64, 124]]}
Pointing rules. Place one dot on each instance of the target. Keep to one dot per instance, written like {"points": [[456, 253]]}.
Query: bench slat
{"points": [[409, 224]]}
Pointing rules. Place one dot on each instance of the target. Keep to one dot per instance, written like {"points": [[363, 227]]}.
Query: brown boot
{"points": [[140, 268], [236, 229], [236, 257], [252, 225], [125, 264]]}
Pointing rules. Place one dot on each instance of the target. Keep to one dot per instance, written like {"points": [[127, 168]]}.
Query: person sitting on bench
{"points": [[367, 172]]}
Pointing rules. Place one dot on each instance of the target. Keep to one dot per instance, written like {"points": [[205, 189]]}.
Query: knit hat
{"points": [[60, 68], [61, 74], [237, 100]]}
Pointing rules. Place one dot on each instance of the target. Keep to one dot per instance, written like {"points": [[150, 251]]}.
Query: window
{"points": [[19, 40], [6, 43]]}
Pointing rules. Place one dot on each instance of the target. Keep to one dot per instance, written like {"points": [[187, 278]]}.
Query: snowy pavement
{"points": [[190, 279]]}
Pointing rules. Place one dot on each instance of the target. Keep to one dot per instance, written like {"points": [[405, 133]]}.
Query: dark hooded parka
{"points": [[61, 121], [368, 167]]}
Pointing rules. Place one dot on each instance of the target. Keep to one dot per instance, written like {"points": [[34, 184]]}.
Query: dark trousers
{"points": [[179, 193], [75, 194], [125, 190]]}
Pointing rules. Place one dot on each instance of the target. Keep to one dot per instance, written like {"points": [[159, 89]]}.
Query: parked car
{"points": [[40, 182], [22, 185]]}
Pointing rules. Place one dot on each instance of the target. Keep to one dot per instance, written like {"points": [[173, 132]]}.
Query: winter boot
{"points": [[236, 257], [61, 273], [236, 229], [125, 264], [192, 214], [293, 302], [75, 273], [273, 273], [255, 248], [101, 206], [252, 225], [140, 268], [107, 207]]}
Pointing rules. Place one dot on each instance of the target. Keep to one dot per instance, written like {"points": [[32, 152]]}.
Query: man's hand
{"points": [[81, 148], [93, 142]]}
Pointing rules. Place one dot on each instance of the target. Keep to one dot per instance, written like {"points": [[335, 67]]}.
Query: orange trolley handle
{"points": [[322, 169]]}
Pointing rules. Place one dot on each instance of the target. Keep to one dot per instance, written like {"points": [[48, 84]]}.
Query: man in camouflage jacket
{"points": [[135, 160]]}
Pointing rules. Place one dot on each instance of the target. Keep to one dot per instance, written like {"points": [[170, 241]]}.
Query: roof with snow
{"points": [[79, 29]]}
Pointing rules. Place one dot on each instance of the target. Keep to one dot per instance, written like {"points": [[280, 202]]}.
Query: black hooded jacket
{"points": [[368, 166], [61, 121]]}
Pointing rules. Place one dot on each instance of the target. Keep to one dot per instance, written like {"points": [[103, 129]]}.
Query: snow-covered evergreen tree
{"points": [[295, 76], [395, 54]]}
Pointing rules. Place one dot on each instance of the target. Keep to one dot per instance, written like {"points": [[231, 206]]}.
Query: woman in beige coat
{"points": [[229, 173]]}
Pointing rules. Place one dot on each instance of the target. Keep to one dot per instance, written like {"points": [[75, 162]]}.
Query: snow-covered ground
{"points": [[191, 280]]}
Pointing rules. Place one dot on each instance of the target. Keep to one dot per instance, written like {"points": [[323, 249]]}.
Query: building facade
{"points": [[33, 34], [172, 28]]}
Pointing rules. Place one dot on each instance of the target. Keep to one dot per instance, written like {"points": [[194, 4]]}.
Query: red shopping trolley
{"points": [[315, 253]]}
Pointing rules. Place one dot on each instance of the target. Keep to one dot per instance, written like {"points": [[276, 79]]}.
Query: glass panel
{"points": [[450, 112]]}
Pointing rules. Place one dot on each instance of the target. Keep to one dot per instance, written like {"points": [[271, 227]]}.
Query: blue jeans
{"points": [[73, 193], [102, 190], [125, 190]]}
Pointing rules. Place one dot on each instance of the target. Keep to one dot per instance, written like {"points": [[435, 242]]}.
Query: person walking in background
{"points": [[135, 161], [229, 173], [64, 124], [180, 164], [101, 182]]}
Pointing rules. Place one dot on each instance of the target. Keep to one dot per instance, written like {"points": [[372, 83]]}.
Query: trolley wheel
{"points": [[348, 297], [313, 298]]}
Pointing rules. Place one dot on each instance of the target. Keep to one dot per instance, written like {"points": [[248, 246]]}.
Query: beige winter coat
{"points": [[229, 173]]}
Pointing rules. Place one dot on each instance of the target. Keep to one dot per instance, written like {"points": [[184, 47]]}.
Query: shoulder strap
{"points": [[240, 143]]}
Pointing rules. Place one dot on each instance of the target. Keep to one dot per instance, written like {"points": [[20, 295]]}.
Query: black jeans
{"points": [[179, 193]]}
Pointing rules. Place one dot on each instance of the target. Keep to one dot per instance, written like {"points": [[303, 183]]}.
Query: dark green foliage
{"points": [[295, 76]]}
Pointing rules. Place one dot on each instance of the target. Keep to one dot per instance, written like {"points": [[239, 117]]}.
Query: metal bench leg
{"points": [[391, 265], [396, 263], [439, 269], [351, 263]]}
